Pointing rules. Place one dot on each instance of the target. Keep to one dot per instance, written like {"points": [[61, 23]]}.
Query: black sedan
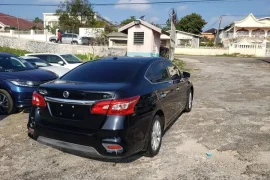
{"points": [[112, 108]]}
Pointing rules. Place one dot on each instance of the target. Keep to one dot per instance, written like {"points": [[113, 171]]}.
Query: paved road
{"points": [[230, 119]]}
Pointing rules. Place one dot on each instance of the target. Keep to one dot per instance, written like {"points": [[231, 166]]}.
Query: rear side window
{"points": [[157, 72], [103, 72], [43, 57], [54, 59]]}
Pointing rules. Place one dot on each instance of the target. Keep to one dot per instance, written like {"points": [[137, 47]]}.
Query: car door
{"points": [[54, 60], [69, 39], [158, 75], [180, 85], [64, 38]]}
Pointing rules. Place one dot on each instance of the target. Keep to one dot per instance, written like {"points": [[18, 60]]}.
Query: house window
{"points": [[138, 37]]}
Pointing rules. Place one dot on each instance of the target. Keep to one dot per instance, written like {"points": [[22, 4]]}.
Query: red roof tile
{"points": [[17, 22]]}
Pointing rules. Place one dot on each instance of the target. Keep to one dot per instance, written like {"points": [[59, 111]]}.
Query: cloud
{"points": [[154, 19], [182, 7], [136, 7]]}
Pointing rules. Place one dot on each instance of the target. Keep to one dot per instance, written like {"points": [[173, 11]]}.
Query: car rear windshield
{"points": [[103, 72]]}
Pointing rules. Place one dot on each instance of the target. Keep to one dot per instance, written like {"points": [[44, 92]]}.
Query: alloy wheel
{"points": [[190, 100], [3, 103], [156, 135]]}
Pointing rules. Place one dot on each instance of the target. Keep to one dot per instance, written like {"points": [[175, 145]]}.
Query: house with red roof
{"points": [[11, 22]]}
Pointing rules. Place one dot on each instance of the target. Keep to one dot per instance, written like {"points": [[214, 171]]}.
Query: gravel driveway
{"points": [[230, 120]]}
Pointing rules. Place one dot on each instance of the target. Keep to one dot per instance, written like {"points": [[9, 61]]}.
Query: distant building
{"points": [[143, 39], [210, 34], [249, 30], [182, 39], [117, 39], [12, 22], [52, 20]]}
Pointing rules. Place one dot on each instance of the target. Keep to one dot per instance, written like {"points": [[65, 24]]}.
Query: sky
{"points": [[154, 13]]}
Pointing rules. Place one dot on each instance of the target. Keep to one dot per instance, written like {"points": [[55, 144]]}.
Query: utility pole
{"points": [[220, 20]]}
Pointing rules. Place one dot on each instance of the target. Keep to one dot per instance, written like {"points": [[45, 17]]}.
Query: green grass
{"points": [[87, 57], [180, 64], [17, 52]]}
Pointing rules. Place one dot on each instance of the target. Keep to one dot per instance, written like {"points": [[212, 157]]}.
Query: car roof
{"points": [[141, 60], [58, 54], [6, 54], [29, 57]]}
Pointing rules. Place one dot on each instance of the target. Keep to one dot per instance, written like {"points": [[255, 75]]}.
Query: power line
{"points": [[143, 3], [213, 24]]}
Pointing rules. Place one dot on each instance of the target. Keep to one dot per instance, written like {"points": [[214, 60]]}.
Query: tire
{"points": [[189, 101], [155, 137], [53, 41], [74, 42], [6, 103]]}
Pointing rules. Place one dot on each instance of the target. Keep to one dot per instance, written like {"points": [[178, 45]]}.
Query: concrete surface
{"points": [[230, 119]]}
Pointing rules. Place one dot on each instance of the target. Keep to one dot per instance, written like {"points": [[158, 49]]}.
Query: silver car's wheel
{"points": [[156, 135]]}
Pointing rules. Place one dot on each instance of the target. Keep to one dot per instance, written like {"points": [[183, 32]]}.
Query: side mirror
{"points": [[61, 63], [34, 64], [186, 75]]}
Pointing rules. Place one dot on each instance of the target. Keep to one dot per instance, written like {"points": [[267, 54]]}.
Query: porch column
{"points": [[234, 32]]}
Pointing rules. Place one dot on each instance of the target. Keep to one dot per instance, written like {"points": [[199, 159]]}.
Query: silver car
{"points": [[70, 38], [39, 63]]}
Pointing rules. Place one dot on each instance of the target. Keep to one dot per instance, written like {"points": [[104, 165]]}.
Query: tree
{"points": [[37, 20], [129, 20], [74, 14], [192, 23]]}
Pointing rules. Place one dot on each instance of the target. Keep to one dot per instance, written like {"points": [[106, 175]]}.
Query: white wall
{"points": [[201, 51], [29, 35]]}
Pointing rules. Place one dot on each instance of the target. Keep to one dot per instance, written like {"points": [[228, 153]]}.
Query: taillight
{"points": [[38, 100], [116, 107]]}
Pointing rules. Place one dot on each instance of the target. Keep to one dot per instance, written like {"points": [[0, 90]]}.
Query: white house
{"points": [[183, 39], [51, 19], [117, 39], [251, 29], [143, 39]]}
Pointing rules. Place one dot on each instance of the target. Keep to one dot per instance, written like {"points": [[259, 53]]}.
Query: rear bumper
{"points": [[74, 148]]}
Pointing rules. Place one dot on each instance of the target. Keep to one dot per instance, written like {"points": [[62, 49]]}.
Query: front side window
{"points": [[173, 71], [10, 64], [157, 73], [71, 59], [138, 38]]}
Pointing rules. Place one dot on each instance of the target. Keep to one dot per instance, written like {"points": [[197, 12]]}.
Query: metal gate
{"points": [[267, 51]]}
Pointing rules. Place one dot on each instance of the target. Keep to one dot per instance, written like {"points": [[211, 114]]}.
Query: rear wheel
{"points": [[6, 103], [189, 101], [74, 42], [155, 137], [54, 41]]}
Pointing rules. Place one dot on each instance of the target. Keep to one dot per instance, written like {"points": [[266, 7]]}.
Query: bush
{"points": [[17, 52], [87, 57]]}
